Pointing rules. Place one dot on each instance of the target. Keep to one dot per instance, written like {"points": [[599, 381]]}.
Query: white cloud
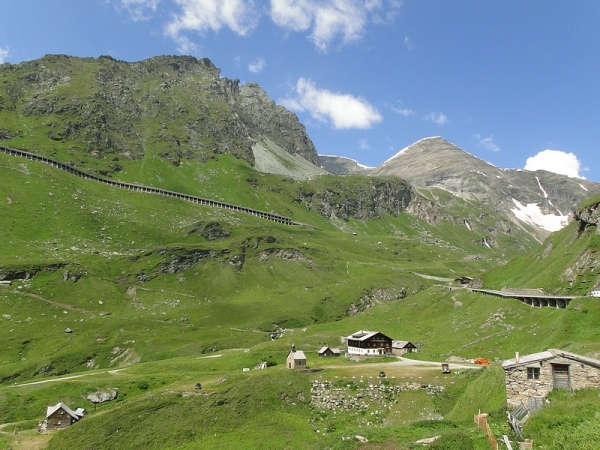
{"points": [[409, 43], [487, 143], [200, 16], [296, 15], [555, 161], [332, 19], [363, 144], [406, 112], [437, 118], [381, 14], [185, 46], [257, 66], [4, 52], [139, 9], [341, 110]]}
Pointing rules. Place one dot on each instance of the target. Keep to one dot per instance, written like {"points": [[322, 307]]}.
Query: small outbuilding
{"points": [[60, 416], [326, 352], [401, 347], [530, 378], [296, 359]]}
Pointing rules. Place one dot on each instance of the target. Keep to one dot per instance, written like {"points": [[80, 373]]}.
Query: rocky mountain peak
{"points": [[539, 202], [177, 106]]}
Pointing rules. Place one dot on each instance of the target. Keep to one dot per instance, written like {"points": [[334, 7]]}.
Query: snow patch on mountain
{"points": [[533, 215], [540, 185]]}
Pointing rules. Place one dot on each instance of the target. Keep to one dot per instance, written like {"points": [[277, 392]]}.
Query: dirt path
{"points": [[53, 380], [52, 302], [29, 440], [406, 362]]}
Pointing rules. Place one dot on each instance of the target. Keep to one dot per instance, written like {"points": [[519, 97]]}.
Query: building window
{"points": [[533, 373]]}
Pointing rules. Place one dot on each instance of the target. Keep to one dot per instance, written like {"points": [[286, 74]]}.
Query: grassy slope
{"points": [[175, 317], [110, 236], [546, 267]]}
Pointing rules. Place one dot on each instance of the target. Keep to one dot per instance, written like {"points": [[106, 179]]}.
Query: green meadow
{"points": [[129, 291]]}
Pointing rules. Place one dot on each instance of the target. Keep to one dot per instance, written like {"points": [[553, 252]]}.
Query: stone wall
{"points": [[519, 388], [363, 394]]}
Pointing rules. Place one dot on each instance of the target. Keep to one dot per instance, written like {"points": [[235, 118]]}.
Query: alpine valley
{"points": [[168, 234]]}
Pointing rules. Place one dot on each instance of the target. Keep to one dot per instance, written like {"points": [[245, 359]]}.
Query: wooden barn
{"points": [[60, 416], [399, 348], [369, 343], [328, 352], [530, 378], [296, 359]]}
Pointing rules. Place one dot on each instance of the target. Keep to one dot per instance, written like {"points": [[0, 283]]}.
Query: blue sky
{"points": [[506, 80]]}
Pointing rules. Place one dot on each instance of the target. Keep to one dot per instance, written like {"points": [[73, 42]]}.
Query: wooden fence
{"points": [[481, 421]]}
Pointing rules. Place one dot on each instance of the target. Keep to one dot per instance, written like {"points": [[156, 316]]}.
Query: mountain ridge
{"points": [[98, 110], [531, 200]]}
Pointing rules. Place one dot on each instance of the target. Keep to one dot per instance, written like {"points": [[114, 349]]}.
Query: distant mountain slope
{"points": [[540, 201], [340, 165], [98, 111], [567, 262]]}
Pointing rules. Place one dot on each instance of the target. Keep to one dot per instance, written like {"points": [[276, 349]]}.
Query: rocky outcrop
{"points": [[288, 254], [211, 231], [358, 198], [587, 262], [374, 297], [264, 118], [102, 396], [179, 106], [174, 260], [588, 216], [8, 274]]}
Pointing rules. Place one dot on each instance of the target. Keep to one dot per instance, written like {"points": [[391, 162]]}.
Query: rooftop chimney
{"points": [[293, 348]]}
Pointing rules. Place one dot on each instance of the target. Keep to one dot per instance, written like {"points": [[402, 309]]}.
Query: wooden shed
{"points": [[60, 416], [328, 352], [296, 359]]}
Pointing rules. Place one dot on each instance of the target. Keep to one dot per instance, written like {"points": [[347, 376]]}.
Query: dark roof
{"points": [[363, 335], [333, 350]]}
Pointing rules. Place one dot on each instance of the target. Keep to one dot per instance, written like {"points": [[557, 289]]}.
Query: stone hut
{"points": [[296, 359], [530, 378], [399, 348]]}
